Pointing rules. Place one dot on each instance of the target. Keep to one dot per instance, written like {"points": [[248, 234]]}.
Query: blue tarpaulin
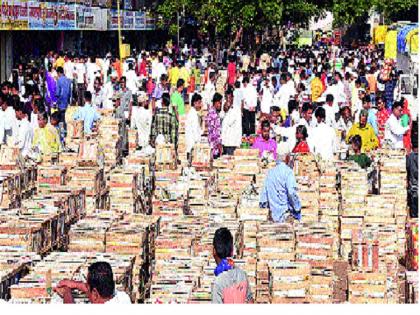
{"points": [[401, 37]]}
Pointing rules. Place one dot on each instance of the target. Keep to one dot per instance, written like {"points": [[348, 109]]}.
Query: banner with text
{"points": [[14, 15]]}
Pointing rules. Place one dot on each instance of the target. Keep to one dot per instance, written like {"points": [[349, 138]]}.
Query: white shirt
{"points": [[330, 112], [141, 119], [323, 141], [34, 121], [232, 128], [192, 129], [92, 71], [394, 132], [98, 98], [119, 298], [80, 70], [68, 69], [8, 125], [158, 71], [131, 77], [283, 95], [209, 91], [24, 136], [250, 97], [109, 93], [237, 98], [267, 99]]}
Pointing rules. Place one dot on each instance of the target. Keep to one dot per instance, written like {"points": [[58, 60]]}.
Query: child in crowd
{"points": [[360, 158]]}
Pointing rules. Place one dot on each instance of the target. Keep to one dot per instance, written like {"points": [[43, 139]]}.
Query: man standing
{"points": [[8, 123], [345, 122], [266, 146], [209, 90], [193, 129], [394, 131], [80, 75], [177, 101], [63, 94], [365, 131], [231, 125], [382, 116], [141, 119], [164, 123], [158, 92], [24, 133], [231, 71], [126, 96], [131, 79], [322, 139], [279, 194], [371, 113], [250, 97], [331, 111], [214, 126], [87, 113], [98, 96]]}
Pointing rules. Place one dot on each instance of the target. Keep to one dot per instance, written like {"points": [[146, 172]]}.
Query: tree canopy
{"points": [[225, 17]]}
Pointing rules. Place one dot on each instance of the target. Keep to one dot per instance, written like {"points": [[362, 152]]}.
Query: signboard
{"points": [[91, 18], [128, 21], [51, 16], [13, 15], [36, 15], [140, 20], [113, 19]]}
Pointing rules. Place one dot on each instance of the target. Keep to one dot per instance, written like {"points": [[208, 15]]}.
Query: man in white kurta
{"points": [[25, 132], [141, 119], [193, 129]]}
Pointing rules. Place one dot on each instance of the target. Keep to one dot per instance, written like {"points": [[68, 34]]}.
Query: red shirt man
{"points": [[231, 71]]}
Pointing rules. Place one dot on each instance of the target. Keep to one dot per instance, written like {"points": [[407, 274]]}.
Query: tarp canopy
{"points": [[402, 37], [379, 34], [412, 41], [391, 45]]}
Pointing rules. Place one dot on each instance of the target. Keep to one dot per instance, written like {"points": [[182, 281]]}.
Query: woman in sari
{"points": [[51, 85]]}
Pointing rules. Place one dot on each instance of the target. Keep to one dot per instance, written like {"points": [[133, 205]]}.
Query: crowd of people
{"points": [[324, 100], [327, 101]]}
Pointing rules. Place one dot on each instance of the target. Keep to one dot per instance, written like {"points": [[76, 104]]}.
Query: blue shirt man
{"points": [[279, 193], [87, 113], [63, 91]]}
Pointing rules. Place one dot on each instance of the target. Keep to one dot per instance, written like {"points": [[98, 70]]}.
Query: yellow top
{"points": [[59, 62], [412, 39], [47, 140], [369, 139], [391, 45], [173, 75], [380, 34], [185, 75]]}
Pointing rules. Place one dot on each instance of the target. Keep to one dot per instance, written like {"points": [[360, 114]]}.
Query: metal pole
{"points": [[119, 29]]}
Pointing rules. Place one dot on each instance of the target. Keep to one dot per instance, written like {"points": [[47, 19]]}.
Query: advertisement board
{"points": [[13, 15], [51, 16]]}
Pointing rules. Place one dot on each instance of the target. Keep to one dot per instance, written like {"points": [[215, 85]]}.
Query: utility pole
{"points": [[119, 30]]}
